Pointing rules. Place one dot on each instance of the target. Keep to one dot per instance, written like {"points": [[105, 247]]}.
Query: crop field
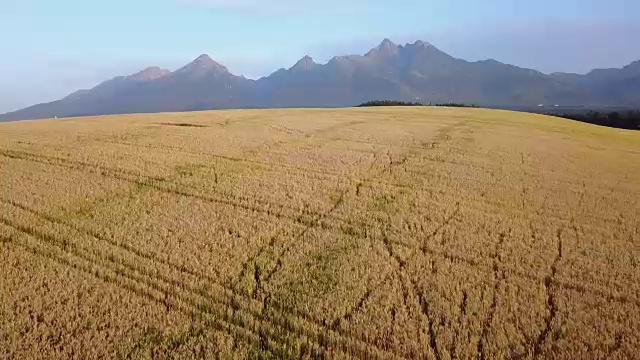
{"points": [[373, 233]]}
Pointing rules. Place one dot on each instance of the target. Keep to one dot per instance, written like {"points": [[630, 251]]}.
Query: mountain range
{"points": [[413, 72]]}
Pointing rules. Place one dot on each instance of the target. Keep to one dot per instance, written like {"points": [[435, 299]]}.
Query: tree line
{"points": [[406, 103], [389, 103], [617, 119]]}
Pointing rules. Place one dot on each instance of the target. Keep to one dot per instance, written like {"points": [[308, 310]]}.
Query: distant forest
{"points": [[388, 103], [629, 119], [405, 103], [617, 119]]}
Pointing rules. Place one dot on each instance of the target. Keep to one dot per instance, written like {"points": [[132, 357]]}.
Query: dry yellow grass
{"points": [[361, 233]]}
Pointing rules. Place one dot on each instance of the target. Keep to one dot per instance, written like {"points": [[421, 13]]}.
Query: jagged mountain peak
{"points": [[202, 65], [204, 59], [423, 44], [304, 64], [386, 48], [387, 43]]}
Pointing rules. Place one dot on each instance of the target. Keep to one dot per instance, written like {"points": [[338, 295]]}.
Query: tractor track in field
{"points": [[552, 306], [158, 183], [472, 263], [165, 291], [392, 163], [233, 298], [268, 208], [498, 279]]}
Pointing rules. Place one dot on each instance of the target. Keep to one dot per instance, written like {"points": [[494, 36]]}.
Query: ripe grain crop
{"points": [[416, 233]]}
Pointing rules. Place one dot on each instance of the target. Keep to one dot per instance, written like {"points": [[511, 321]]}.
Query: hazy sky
{"points": [[50, 48]]}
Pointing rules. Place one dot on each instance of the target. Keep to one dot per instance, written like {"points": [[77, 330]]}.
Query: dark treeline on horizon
{"points": [[617, 119], [406, 103], [629, 119], [389, 103]]}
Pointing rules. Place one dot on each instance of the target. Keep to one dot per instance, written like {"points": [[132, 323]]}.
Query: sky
{"points": [[50, 48]]}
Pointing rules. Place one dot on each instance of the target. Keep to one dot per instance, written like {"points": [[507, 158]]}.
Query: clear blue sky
{"points": [[50, 48]]}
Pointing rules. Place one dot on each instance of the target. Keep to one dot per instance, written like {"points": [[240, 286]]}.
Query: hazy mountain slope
{"points": [[610, 86]]}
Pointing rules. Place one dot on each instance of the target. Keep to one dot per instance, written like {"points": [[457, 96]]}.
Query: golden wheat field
{"points": [[381, 233]]}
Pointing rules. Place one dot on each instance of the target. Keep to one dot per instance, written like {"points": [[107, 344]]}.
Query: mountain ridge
{"points": [[412, 72]]}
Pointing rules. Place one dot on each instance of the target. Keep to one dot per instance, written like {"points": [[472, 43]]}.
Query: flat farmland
{"points": [[379, 233]]}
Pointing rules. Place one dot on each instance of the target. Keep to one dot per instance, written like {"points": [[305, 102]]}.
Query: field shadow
{"points": [[183, 125]]}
